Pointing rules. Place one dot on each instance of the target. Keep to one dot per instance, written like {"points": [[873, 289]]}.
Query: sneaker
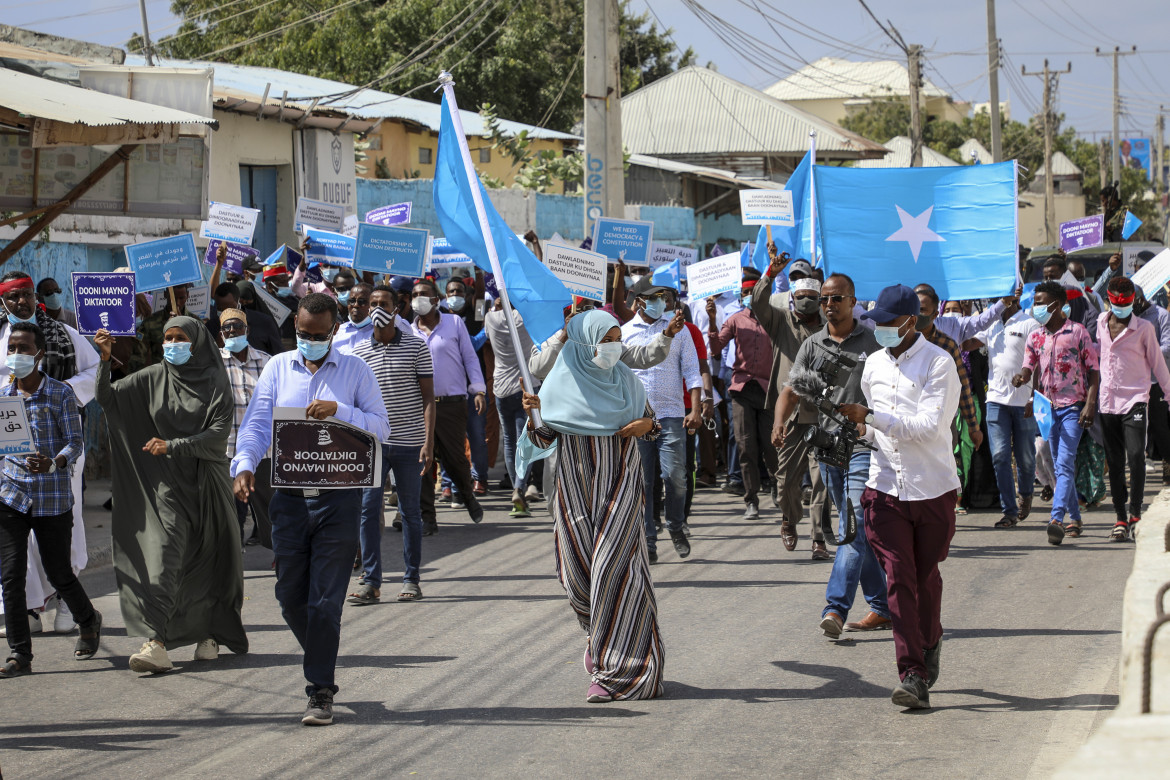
{"points": [[458, 502], [397, 522], [151, 659], [598, 695], [686, 530], [933, 655], [207, 650], [831, 625], [681, 545], [733, 488], [533, 494], [653, 555], [1120, 531], [320, 709], [519, 507], [912, 693], [430, 528], [63, 622], [1055, 533], [751, 512]]}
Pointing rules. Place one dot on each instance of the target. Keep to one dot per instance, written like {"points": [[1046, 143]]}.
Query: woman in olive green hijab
{"points": [[176, 540]]}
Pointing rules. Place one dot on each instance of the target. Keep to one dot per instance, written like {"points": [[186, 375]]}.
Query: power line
{"points": [[317, 16]]}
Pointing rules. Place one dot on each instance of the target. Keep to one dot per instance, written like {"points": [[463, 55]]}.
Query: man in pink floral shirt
{"points": [[1063, 360]]}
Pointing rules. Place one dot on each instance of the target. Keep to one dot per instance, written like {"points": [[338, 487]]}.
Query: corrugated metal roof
{"points": [[246, 82], [981, 153], [727, 177], [831, 77], [899, 156], [698, 111], [45, 99], [1061, 166]]}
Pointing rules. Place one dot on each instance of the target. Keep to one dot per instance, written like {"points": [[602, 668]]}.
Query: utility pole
{"points": [[147, 49], [605, 186], [993, 82], [1050, 77], [1117, 52], [1160, 157], [914, 55]]}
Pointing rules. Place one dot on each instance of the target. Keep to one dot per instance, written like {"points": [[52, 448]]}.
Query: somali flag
{"points": [[533, 290], [952, 228], [796, 240], [1130, 227], [668, 275]]}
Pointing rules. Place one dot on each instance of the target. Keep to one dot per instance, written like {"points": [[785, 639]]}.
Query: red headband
{"points": [[271, 272], [749, 284], [1117, 299], [22, 283]]}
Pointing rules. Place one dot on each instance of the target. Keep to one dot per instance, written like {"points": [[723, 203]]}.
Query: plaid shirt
{"points": [[56, 430], [243, 378], [966, 399]]}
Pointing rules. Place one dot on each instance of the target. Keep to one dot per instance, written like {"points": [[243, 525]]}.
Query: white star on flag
{"points": [[1041, 415], [915, 231]]}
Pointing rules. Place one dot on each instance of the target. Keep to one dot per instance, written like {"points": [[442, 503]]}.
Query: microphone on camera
{"points": [[807, 384]]}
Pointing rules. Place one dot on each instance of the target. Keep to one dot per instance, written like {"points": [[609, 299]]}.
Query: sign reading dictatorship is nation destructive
{"points": [[322, 454]]}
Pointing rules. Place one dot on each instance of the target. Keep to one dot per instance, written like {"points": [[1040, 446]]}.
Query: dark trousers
{"points": [[258, 506], [910, 539], [54, 534], [1124, 438], [450, 438], [1159, 429], [313, 539], [708, 469], [753, 434]]}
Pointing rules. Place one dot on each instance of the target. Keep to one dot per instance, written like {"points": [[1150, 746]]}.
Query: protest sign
{"points": [[1082, 233], [331, 248], [1129, 258], [322, 454], [320, 215], [350, 226], [396, 214], [391, 250], [277, 309], [15, 434], [662, 254], [229, 223], [581, 271], [1154, 275], [164, 262], [104, 300], [233, 261], [199, 300], [292, 259], [766, 207], [714, 277], [627, 240], [443, 254]]}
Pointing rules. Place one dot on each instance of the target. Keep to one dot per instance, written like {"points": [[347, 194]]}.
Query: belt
{"points": [[299, 493], [450, 399]]}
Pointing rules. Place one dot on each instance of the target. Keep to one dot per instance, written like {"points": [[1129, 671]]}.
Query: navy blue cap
{"points": [[895, 301]]}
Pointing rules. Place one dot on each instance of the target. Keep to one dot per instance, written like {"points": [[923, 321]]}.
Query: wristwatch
{"points": [[52, 466], [869, 418]]}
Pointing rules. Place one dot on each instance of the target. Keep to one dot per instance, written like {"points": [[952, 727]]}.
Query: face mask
{"points": [[361, 323], [923, 321], [381, 317], [21, 365], [807, 306], [1041, 314], [343, 297], [629, 282], [13, 319], [746, 301], [178, 353], [953, 314], [329, 274], [53, 301], [313, 350], [608, 354], [1066, 310], [1121, 312], [889, 336], [456, 302], [655, 309], [283, 292], [422, 306], [235, 343]]}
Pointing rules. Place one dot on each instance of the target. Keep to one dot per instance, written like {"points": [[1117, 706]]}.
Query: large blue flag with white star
{"points": [[953, 228]]}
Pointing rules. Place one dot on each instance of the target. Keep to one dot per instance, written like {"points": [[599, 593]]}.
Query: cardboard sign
{"points": [[322, 454], [396, 214], [714, 277], [397, 251], [627, 240], [233, 261], [331, 248], [15, 434], [319, 214], [230, 223], [766, 207], [278, 310], [1082, 233], [662, 254], [164, 262], [104, 301], [582, 272], [1154, 275]]}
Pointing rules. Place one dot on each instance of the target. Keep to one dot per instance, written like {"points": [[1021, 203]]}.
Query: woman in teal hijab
{"points": [[593, 408]]}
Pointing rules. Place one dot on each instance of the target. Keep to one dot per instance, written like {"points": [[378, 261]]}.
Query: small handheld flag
{"points": [[1130, 227]]}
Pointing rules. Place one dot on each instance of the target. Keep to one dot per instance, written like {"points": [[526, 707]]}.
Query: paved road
{"points": [[483, 678]]}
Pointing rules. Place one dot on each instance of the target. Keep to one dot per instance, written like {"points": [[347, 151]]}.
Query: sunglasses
{"points": [[313, 336], [833, 298]]}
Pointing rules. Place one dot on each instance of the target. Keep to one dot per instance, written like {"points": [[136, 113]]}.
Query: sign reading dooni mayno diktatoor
{"points": [[322, 454]]}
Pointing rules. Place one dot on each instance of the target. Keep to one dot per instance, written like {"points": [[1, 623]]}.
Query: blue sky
{"points": [[954, 34]]}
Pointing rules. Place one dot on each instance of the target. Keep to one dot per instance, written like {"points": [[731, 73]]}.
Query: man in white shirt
{"points": [[912, 391]]}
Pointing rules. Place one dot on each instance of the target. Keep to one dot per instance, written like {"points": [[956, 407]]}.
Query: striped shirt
{"points": [[398, 366], [243, 378]]}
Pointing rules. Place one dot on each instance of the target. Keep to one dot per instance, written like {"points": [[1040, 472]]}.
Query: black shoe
{"points": [[474, 510], [430, 529], [687, 530], [504, 483], [320, 709], [109, 504], [397, 524], [912, 693], [933, 655], [681, 545], [733, 488], [776, 495], [653, 555], [658, 523]]}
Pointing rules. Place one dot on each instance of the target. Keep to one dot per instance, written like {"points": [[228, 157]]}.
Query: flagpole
{"points": [[812, 193], [447, 82]]}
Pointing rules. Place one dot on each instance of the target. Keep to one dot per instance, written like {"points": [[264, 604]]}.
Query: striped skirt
{"points": [[602, 561]]}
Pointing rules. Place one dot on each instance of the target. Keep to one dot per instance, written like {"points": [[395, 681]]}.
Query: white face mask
{"points": [[608, 354], [422, 306]]}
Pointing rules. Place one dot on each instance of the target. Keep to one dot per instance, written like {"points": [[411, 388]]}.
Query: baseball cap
{"points": [[799, 267], [895, 301]]}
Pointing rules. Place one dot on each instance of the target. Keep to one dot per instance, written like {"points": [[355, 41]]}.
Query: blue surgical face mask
{"points": [[746, 301], [343, 297], [889, 336], [21, 365], [13, 319], [235, 343], [456, 302], [178, 353], [1066, 310], [1121, 312], [361, 323], [1041, 314], [53, 301], [313, 350], [329, 274], [655, 309], [283, 292]]}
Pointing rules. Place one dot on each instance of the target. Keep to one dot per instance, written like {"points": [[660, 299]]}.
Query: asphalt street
{"points": [[483, 677]]}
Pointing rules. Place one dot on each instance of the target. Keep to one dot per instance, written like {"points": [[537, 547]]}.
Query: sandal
{"points": [[410, 592], [88, 638], [366, 594], [1120, 531], [1072, 530], [14, 668], [1007, 521], [788, 535]]}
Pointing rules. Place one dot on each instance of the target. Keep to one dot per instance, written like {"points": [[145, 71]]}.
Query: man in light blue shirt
{"points": [[314, 533], [357, 325]]}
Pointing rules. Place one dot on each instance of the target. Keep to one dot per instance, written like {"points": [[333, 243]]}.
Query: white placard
{"points": [[582, 272], [1154, 275], [199, 300], [766, 207], [15, 434], [661, 254], [230, 223], [714, 277], [1129, 256], [350, 226], [277, 309], [320, 215]]}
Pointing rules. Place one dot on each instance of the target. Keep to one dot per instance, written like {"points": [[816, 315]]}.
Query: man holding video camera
{"points": [[912, 394], [855, 562]]}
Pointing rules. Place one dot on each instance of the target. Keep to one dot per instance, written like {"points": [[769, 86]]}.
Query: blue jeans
{"points": [[408, 482], [313, 540], [512, 421], [1063, 439], [855, 562], [669, 452], [1011, 431]]}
